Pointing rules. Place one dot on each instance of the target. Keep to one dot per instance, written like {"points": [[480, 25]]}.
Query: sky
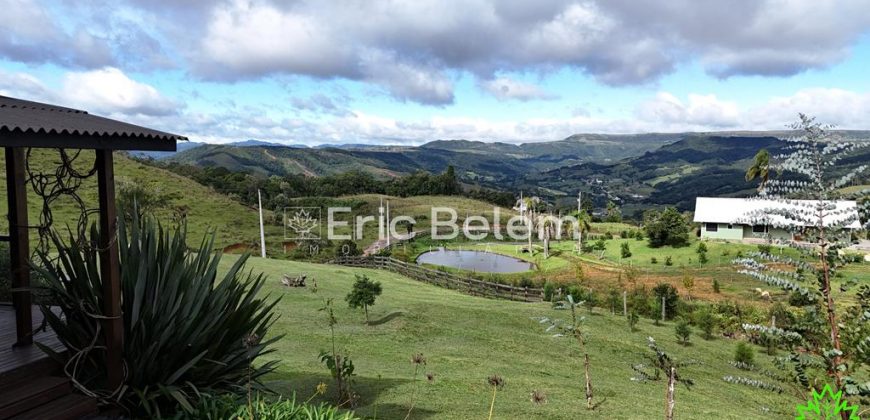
{"points": [[407, 72]]}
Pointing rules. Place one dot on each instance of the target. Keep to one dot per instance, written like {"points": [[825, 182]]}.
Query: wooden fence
{"points": [[444, 279]]}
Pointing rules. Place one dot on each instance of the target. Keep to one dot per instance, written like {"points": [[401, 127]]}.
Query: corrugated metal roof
{"points": [[27, 117], [749, 210]]}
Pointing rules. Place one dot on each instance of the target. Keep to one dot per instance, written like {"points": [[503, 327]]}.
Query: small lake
{"points": [[475, 261]]}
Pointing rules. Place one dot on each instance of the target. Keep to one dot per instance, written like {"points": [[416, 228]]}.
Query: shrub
{"points": [[702, 258], [639, 301], [716, 286], [653, 260], [668, 227], [765, 248], [671, 296], [347, 248], [187, 332], [744, 354], [600, 245], [624, 250], [608, 236], [633, 320], [231, 407], [706, 321], [638, 234], [669, 261], [526, 282], [683, 331], [623, 234], [575, 293], [549, 291]]}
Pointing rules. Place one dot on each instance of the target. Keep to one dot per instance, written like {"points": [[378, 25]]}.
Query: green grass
{"points": [[465, 339], [719, 253], [233, 222]]}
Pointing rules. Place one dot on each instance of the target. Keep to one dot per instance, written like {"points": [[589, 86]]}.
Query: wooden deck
{"points": [[14, 358]]}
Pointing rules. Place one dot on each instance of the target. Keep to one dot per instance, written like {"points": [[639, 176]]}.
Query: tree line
{"points": [[277, 191]]}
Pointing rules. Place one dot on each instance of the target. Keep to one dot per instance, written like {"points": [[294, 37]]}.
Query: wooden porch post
{"points": [[110, 269], [19, 246]]}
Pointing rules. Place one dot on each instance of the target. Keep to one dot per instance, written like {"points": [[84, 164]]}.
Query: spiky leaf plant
{"points": [[805, 204], [187, 329]]}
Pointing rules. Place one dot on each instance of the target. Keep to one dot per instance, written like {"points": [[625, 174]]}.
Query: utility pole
{"points": [[580, 223], [262, 233], [389, 225]]}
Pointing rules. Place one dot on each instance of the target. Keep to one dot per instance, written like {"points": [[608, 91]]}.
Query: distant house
{"points": [[743, 218]]}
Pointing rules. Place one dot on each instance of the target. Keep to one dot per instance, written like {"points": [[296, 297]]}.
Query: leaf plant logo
{"points": [[827, 405], [302, 223]]}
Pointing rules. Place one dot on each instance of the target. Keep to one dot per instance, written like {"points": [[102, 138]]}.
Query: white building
{"points": [[747, 218]]}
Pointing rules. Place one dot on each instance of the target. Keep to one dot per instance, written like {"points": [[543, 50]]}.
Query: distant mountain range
{"points": [[638, 169]]}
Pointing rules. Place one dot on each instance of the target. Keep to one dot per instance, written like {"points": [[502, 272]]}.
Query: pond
{"points": [[475, 261]]}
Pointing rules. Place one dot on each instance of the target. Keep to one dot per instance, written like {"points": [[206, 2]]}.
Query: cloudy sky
{"points": [[406, 72]]}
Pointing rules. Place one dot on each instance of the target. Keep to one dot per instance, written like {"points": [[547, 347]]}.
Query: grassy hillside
{"points": [[233, 222], [465, 339]]}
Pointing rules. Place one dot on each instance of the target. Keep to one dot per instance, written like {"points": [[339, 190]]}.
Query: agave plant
{"points": [[186, 327]]}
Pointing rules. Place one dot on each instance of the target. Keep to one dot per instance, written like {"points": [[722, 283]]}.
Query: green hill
{"points": [[233, 222], [465, 339], [382, 162]]}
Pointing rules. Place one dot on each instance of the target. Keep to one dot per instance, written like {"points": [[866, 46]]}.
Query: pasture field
{"points": [[465, 339]]}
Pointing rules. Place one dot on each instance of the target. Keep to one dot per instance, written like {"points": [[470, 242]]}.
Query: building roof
{"points": [[34, 124], [766, 211]]}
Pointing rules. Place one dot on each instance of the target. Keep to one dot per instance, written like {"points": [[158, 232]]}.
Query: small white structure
{"points": [[748, 218]]}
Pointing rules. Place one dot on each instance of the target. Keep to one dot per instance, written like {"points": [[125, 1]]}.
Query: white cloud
{"points": [[843, 108], [505, 88], [700, 111], [110, 91], [416, 50]]}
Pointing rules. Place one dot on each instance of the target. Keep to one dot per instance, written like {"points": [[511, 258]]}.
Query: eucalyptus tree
{"points": [[806, 204]]}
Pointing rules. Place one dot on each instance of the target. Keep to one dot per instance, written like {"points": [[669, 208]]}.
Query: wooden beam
{"points": [[19, 246], [110, 270]]}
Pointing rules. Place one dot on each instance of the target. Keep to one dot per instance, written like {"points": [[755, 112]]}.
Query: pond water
{"points": [[475, 261]]}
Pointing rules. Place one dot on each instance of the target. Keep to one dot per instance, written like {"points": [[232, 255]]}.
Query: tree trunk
{"points": [[589, 404], [624, 303], [669, 407], [366, 310]]}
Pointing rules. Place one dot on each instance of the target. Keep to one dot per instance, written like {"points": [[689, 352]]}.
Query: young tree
{"points": [[702, 253], [661, 362], [363, 294], [573, 329], [624, 250], [812, 159], [683, 331], [689, 284]]}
